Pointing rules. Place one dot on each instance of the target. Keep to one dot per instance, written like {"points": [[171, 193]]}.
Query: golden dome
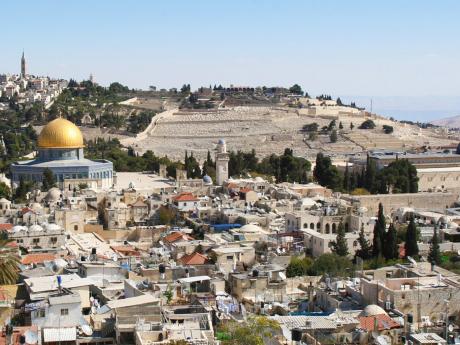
{"points": [[60, 133]]}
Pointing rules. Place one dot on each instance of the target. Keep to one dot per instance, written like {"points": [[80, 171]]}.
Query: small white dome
{"points": [[35, 227], [19, 228], [259, 179], [54, 194], [372, 310], [250, 228], [52, 227]]}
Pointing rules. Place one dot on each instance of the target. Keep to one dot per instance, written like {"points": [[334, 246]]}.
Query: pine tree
{"points": [[390, 247], [340, 246], [411, 245], [434, 256], [365, 248]]}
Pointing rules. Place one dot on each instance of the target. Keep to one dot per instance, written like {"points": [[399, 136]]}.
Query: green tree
{"points": [[434, 256], [340, 246], [411, 246], [326, 174], [9, 263], [165, 215], [298, 266], [296, 89], [379, 233], [333, 136], [368, 124], [390, 249], [332, 264], [5, 191], [48, 181], [256, 330], [365, 250]]}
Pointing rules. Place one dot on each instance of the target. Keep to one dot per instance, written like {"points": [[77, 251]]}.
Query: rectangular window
{"points": [[36, 241], [229, 257], [64, 312], [53, 239]]}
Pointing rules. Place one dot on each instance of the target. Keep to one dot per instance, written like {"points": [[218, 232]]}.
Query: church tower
{"points": [[222, 159], [23, 66]]}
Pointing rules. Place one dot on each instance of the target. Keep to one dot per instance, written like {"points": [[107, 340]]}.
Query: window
{"points": [[229, 257], [36, 241], [64, 312], [53, 239], [75, 227], [40, 313]]}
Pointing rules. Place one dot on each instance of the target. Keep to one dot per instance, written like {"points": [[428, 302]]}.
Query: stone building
{"points": [[39, 237]]}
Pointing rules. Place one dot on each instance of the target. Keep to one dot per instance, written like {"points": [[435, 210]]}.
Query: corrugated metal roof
{"points": [[60, 334]]}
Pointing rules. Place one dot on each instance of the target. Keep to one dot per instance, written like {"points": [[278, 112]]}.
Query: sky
{"points": [[404, 55]]}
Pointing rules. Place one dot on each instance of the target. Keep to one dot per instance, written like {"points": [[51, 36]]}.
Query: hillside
{"points": [[450, 122]]}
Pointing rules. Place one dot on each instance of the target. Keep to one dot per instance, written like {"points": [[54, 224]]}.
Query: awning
{"points": [[60, 334]]}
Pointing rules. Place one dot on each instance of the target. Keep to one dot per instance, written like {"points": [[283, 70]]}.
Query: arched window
{"points": [[312, 226], [305, 225], [318, 226], [75, 227], [334, 228], [328, 228]]}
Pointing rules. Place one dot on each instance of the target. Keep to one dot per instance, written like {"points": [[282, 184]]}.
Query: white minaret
{"points": [[222, 159]]}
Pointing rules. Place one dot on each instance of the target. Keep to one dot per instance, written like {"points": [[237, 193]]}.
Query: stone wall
{"points": [[391, 202]]}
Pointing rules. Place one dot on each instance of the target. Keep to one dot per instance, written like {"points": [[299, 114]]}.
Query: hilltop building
{"points": [[60, 149]]}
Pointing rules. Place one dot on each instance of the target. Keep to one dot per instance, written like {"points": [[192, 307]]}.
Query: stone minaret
{"points": [[23, 66], [222, 159]]}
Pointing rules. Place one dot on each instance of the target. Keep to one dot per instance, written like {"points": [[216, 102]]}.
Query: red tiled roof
{"points": [[176, 236], [37, 258], [245, 190], [139, 203], [194, 259], [383, 322], [6, 227], [26, 210], [232, 185], [185, 197]]}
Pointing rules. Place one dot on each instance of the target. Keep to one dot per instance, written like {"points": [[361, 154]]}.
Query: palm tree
{"points": [[9, 262]]}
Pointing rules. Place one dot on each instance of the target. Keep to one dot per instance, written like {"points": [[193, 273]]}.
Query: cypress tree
{"points": [[434, 256], [390, 247], [411, 245], [365, 248], [379, 233], [346, 179], [340, 246]]}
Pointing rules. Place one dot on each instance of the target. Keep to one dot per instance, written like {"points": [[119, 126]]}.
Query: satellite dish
{"points": [[450, 327], [115, 258], [31, 337], [87, 330]]}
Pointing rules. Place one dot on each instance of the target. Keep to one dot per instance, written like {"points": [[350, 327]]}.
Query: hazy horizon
{"points": [[401, 54]]}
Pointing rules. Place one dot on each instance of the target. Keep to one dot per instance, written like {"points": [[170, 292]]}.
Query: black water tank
{"points": [[162, 269], [255, 273], [296, 334], [22, 339], [93, 251], [410, 318]]}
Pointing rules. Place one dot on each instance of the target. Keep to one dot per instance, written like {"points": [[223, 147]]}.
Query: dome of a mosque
{"points": [[60, 133]]}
